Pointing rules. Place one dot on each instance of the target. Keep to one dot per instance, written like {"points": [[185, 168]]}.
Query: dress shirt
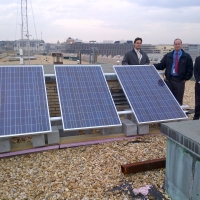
{"points": [[173, 73], [140, 53]]}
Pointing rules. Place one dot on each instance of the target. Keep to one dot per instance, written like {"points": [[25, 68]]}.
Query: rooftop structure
{"points": [[32, 45], [107, 49], [164, 49], [193, 50]]}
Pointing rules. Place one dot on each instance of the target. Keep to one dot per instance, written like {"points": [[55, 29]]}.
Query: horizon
{"points": [[99, 42]]}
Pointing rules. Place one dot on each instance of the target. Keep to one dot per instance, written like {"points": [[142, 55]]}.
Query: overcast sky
{"points": [[157, 21]]}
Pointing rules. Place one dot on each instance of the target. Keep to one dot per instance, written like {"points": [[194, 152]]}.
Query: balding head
{"points": [[177, 44]]}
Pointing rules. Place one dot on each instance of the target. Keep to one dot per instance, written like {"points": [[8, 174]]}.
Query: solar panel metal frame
{"points": [[91, 127], [130, 104], [47, 107]]}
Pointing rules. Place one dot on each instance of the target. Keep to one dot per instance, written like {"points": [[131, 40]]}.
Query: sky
{"points": [[156, 22]]}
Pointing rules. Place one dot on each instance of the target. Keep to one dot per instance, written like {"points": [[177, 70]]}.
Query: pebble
{"points": [[84, 172]]}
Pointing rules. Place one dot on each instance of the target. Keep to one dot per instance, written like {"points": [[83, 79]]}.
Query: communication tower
{"points": [[24, 29]]}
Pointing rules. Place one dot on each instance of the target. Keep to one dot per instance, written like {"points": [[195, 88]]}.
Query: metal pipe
{"points": [[124, 112], [105, 74], [49, 75], [52, 119], [130, 111], [185, 106], [109, 74], [118, 112], [143, 166]]}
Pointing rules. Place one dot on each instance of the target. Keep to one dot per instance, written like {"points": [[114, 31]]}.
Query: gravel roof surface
{"points": [[89, 172], [82, 172]]}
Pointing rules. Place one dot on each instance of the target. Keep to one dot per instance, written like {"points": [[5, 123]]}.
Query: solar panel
{"points": [[148, 95], [23, 101], [85, 98]]}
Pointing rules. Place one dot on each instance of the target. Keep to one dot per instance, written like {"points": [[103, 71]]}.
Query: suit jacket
{"points": [[185, 65], [197, 69], [131, 58]]}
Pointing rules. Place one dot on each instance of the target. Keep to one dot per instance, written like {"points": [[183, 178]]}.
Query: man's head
{"points": [[177, 44], [137, 43]]}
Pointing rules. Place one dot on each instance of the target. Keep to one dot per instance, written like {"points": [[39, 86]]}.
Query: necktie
{"points": [[138, 55], [176, 63]]}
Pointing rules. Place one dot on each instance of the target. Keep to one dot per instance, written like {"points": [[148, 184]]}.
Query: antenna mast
{"points": [[25, 32]]}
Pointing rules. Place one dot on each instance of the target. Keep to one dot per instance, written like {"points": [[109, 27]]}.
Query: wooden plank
{"points": [[98, 136], [80, 139], [143, 166], [88, 137]]}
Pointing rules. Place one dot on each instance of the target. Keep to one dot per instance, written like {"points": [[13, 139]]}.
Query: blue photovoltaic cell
{"points": [[23, 101], [85, 99], [147, 94]]}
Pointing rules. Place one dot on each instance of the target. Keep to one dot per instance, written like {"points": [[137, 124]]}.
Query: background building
{"points": [[192, 49], [164, 48], [34, 46], [105, 52], [106, 48], [6, 46]]}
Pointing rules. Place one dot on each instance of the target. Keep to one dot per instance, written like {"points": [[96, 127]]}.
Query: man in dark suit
{"points": [[136, 56], [197, 88], [178, 67]]}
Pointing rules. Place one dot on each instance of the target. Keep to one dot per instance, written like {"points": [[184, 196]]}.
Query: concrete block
{"points": [[143, 129], [5, 145], [54, 136], [38, 140], [111, 130], [196, 184], [128, 127]]}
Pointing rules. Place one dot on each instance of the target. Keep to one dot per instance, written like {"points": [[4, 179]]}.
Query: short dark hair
{"points": [[136, 39], [177, 39]]}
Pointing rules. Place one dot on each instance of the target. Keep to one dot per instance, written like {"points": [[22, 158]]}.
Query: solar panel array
{"points": [[148, 95], [23, 101], [84, 97]]}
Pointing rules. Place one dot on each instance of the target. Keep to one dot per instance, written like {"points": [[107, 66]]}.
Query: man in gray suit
{"points": [[136, 56]]}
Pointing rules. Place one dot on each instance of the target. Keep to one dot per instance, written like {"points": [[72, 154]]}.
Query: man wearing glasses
{"points": [[136, 56]]}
